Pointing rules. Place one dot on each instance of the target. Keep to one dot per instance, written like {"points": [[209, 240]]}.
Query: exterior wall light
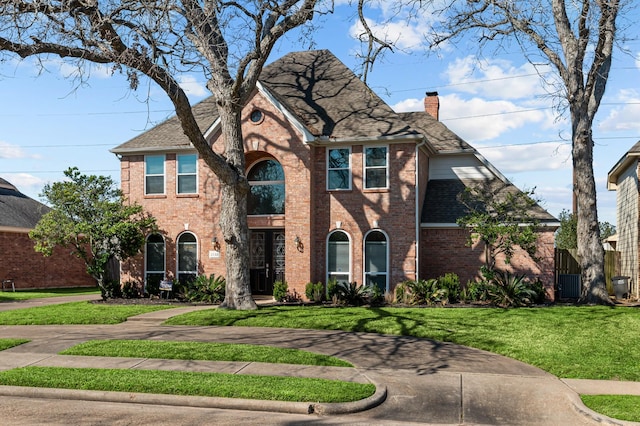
{"points": [[215, 244], [299, 245]]}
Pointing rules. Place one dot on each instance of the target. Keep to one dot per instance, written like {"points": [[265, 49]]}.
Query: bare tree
{"points": [[577, 39], [228, 41]]}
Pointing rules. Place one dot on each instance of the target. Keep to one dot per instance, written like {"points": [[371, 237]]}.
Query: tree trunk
{"points": [[590, 250], [233, 214]]}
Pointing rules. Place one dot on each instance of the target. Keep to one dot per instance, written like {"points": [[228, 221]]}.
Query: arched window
{"points": [[339, 257], [376, 257], [266, 179], [155, 260], [187, 257]]}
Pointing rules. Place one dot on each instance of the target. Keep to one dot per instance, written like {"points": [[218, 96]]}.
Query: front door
{"points": [[266, 259]]}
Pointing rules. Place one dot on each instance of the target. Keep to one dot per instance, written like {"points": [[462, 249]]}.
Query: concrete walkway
{"points": [[419, 381]]}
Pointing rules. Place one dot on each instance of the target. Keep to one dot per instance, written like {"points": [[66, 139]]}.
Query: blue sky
{"points": [[497, 104]]}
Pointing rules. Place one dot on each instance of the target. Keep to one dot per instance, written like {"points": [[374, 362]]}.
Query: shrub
{"points": [[205, 289], [131, 290], [508, 290], [451, 283], [280, 289], [111, 290], [153, 286], [353, 294], [332, 289], [425, 292], [314, 291]]}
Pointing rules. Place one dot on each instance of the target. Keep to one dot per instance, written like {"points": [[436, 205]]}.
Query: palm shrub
{"points": [[509, 290], [314, 291], [353, 294], [207, 289], [426, 292]]}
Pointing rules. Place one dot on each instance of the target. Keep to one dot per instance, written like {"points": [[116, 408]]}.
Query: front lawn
{"points": [[76, 313], [201, 351], [571, 342], [623, 407], [10, 343], [8, 296], [277, 388]]}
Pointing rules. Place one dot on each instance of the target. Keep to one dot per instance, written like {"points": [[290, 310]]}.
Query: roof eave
{"points": [[622, 164], [155, 149]]}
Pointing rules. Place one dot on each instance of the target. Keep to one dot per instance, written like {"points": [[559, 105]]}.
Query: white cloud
{"points": [[624, 117], [191, 86], [25, 183], [409, 105], [529, 157], [9, 151], [479, 119], [495, 78], [403, 35]]}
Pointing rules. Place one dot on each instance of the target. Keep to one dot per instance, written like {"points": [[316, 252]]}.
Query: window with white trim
{"points": [[376, 257], [376, 163], [154, 174], [155, 260], [339, 257], [338, 168], [266, 181], [187, 257], [187, 181]]}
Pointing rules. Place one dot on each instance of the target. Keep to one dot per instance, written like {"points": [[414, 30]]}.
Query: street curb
{"points": [[199, 401], [579, 406]]}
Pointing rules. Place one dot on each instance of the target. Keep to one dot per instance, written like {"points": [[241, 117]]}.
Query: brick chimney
{"points": [[432, 105]]}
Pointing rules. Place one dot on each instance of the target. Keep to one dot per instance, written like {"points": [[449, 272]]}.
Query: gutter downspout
{"points": [[417, 173]]}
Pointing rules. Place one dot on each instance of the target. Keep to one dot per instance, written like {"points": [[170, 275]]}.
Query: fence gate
{"points": [[568, 271]]}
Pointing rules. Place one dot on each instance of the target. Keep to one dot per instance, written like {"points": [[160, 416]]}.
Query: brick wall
{"points": [[30, 269], [445, 250]]}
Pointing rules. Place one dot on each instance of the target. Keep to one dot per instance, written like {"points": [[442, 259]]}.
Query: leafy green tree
{"points": [[501, 220], [567, 234], [89, 215]]}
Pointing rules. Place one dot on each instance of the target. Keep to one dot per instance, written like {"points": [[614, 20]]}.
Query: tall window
{"points": [[187, 177], [339, 168], [375, 167], [267, 188], [339, 257], [154, 264], [376, 260], [154, 174], [187, 257]]}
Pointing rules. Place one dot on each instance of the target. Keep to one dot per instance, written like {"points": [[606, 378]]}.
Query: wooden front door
{"points": [[266, 259]]}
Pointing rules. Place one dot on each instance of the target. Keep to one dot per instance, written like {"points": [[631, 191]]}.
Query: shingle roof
{"points": [[437, 134], [441, 204], [16, 209], [316, 87]]}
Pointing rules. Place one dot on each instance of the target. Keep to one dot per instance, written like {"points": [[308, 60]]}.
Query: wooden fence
{"points": [[567, 263]]}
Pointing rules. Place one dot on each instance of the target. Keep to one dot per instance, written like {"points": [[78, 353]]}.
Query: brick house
{"points": [[341, 187], [623, 178], [19, 261]]}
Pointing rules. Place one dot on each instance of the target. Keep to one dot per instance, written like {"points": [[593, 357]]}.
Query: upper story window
{"points": [[186, 169], [154, 174], [266, 179], [376, 164], [339, 168]]}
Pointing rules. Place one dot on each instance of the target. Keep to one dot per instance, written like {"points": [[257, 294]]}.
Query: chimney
{"points": [[432, 105]]}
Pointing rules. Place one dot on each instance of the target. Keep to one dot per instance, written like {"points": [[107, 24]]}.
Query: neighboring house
{"points": [[623, 178], [19, 261], [341, 187]]}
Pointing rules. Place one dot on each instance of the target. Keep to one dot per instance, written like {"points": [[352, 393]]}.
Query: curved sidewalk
{"points": [[425, 381]]}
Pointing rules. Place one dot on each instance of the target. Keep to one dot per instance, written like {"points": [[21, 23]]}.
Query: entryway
{"points": [[266, 259]]}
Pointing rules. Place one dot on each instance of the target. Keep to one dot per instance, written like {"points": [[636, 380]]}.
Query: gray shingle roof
{"points": [[441, 204], [16, 209], [315, 86], [437, 134]]}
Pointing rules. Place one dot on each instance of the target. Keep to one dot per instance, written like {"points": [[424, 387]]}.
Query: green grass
{"points": [[571, 342], [10, 343], [201, 351], [622, 407], [76, 313], [8, 296], [188, 383]]}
